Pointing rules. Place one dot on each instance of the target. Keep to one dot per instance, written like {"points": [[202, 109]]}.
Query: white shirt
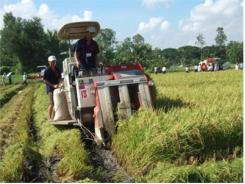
{"points": [[24, 77]]}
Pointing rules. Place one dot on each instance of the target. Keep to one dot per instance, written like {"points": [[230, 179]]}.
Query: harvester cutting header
{"points": [[98, 98]]}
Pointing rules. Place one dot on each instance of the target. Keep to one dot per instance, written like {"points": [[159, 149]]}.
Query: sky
{"points": [[162, 23]]}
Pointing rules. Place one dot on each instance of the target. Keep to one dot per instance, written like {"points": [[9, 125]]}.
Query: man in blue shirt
{"points": [[86, 50], [51, 78]]}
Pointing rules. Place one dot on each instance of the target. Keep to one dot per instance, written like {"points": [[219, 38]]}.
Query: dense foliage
{"points": [[25, 45]]}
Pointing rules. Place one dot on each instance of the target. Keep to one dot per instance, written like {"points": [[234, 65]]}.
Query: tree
{"points": [[144, 55], [200, 42], [124, 51], [221, 38], [24, 41], [33, 49], [141, 51], [235, 52], [158, 59], [106, 40], [25, 45], [138, 39], [55, 47], [189, 55], [172, 56], [134, 50], [9, 40], [209, 51]]}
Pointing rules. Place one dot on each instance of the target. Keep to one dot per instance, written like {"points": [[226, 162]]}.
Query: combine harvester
{"points": [[209, 64], [99, 99]]}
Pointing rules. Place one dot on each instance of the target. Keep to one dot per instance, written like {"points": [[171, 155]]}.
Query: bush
{"points": [[4, 69], [17, 68]]}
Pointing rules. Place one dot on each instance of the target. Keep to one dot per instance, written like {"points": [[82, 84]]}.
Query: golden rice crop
{"points": [[198, 117]]}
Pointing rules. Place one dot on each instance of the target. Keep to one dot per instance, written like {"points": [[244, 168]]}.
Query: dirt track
{"points": [[103, 159]]}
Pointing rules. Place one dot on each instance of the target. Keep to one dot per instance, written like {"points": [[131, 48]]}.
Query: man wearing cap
{"points": [[86, 50], [51, 78]]}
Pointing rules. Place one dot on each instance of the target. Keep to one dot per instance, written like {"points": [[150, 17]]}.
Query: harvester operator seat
{"points": [[83, 72]]}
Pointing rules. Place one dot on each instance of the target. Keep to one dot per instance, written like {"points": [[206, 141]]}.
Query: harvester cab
{"points": [[99, 98]]}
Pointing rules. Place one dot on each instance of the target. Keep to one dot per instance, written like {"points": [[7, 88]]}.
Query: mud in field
{"points": [[105, 163], [40, 170], [32, 130], [35, 167], [106, 167]]}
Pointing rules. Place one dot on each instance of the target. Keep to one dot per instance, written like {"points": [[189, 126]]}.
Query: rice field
{"points": [[7, 92], [197, 125], [195, 134], [32, 150], [14, 136]]}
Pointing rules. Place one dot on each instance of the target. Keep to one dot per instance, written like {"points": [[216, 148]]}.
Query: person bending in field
{"points": [[52, 77]]}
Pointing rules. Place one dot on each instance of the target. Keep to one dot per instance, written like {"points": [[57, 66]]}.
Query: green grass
{"points": [[7, 92], [16, 79], [15, 137], [198, 117], [19, 150], [62, 143]]}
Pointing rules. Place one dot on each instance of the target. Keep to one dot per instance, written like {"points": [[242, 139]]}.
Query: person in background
{"points": [[9, 76], [155, 69], [216, 67], [85, 52], [199, 69], [3, 78], [52, 77], [24, 78], [237, 67], [210, 67], [186, 69], [164, 69], [196, 68]]}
